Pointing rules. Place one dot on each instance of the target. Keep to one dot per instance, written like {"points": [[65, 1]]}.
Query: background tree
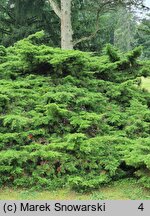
{"points": [[143, 36], [81, 24], [104, 35], [63, 11], [18, 19], [125, 30]]}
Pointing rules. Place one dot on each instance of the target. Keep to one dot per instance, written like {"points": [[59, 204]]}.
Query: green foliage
{"points": [[143, 36], [87, 184], [145, 70], [3, 53], [112, 53], [125, 30], [71, 118], [19, 19]]}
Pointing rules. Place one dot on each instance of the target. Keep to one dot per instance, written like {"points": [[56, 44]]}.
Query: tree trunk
{"points": [[66, 26]]}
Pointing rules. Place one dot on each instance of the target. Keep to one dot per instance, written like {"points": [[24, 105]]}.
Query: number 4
{"points": [[141, 207]]}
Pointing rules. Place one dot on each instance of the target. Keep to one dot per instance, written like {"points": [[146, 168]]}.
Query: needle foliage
{"points": [[72, 118]]}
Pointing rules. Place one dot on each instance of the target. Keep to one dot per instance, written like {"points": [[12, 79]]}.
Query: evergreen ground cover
{"points": [[70, 118]]}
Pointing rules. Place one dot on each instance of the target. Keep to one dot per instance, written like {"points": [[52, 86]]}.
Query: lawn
{"points": [[146, 83]]}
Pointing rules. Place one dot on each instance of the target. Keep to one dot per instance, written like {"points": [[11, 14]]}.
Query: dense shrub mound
{"points": [[71, 118]]}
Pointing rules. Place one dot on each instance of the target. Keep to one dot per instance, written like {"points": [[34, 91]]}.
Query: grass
{"points": [[146, 83], [127, 189]]}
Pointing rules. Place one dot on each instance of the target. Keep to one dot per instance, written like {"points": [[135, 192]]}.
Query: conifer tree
{"points": [[126, 28], [144, 36]]}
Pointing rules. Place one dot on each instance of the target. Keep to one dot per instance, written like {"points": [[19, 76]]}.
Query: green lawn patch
{"points": [[146, 83]]}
